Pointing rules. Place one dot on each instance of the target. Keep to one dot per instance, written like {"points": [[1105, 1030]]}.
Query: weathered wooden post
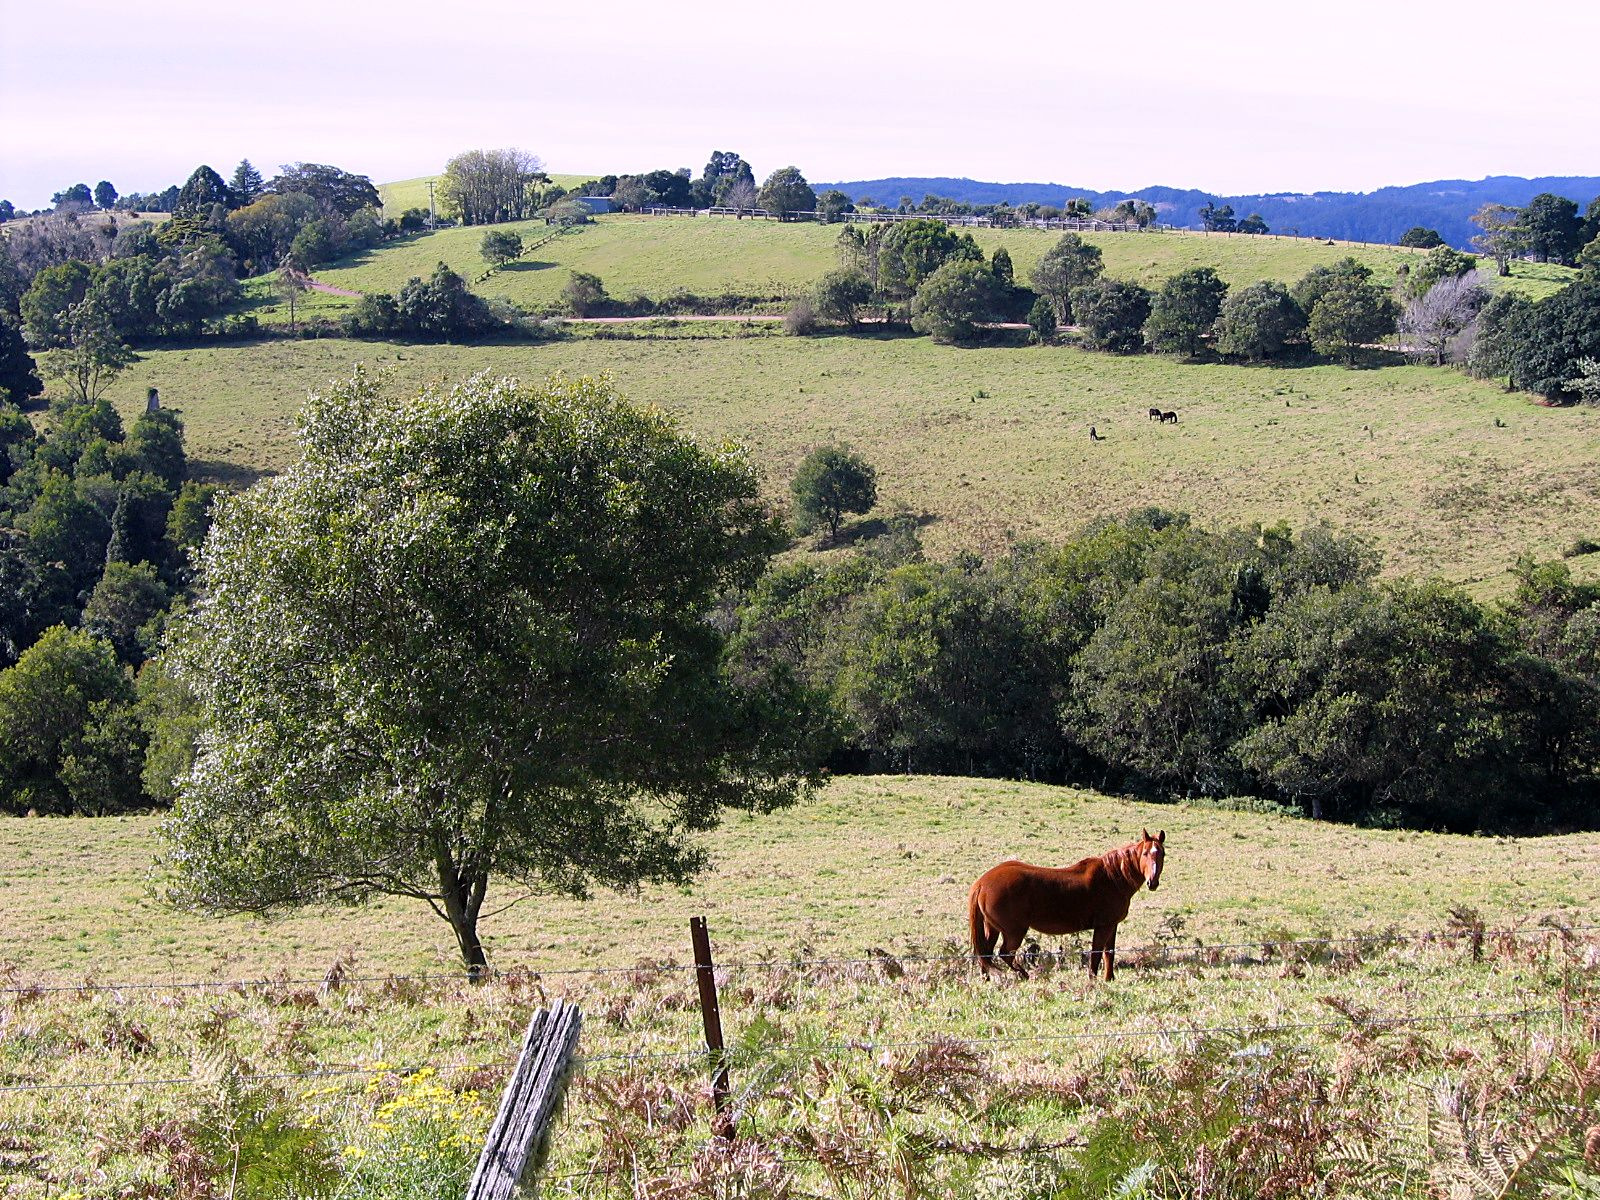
{"points": [[530, 1100], [711, 1016]]}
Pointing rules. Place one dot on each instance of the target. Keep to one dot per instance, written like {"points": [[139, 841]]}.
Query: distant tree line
{"points": [[1149, 655], [1548, 228]]}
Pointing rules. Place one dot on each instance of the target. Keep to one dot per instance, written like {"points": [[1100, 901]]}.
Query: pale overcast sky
{"points": [[1230, 97]]}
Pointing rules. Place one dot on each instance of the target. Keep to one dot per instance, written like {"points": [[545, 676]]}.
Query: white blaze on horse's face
{"points": [[1152, 853]]}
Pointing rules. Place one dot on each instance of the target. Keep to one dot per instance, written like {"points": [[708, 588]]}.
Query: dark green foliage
{"points": [[1111, 314], [1503, 330], [1254, 224], [832, 205], [68, 733], [840, 294], [1042, 322], [1218, 219], [7, 211], [190, 517], [1553, 228], [45, 305], [1183, 311], [1562, 330], [104, 194], [1070, 264], [1442, 262], [1347, 314], [903, 254], [832, 481], [245, 186], [584, 294], [1258, 323], [76, 196], [200, 193], [1318, 280], [336, 192], [1000, 265], [1421, 238], [499, 247], [19, 374], [1155, 655], [440, 309], [479, 619], [956, 300], [124, 606]]}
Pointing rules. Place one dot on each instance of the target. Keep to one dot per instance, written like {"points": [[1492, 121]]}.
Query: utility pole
{"points": [[433, 220]]}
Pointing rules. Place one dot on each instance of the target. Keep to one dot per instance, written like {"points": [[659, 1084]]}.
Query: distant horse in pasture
{"points": [[1155, 414], [1094, 893], [1169, 416]]}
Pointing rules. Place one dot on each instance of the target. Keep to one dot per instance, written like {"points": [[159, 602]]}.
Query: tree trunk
{"points": [[462, 890]]}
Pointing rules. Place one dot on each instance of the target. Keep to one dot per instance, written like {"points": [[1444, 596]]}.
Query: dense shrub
{"points": [[1111, 313]]}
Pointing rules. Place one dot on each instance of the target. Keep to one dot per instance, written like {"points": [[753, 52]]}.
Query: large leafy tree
{"points": [[1070, 264], [1184, 309], [1553, 227], [19, 374], [1349, 315], [200, 193], [831, 481], [1112, 313], [464, 639], [335, 190], [1258, 322], [956, 301], [787, 191]]}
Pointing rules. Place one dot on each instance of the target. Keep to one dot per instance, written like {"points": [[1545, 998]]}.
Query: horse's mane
{"points": [[1124, 860]]}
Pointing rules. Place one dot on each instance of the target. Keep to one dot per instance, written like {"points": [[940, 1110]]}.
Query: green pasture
{"points": [[846, 994], [1446, 474], [660, 256], [872, 861]]}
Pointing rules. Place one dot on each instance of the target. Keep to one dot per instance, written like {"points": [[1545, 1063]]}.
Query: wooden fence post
{"points": [[711, 1015], [529, 1102]]}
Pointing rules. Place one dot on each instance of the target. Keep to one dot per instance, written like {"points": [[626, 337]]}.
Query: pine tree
{"points": [[245, 186], [19, 375]]}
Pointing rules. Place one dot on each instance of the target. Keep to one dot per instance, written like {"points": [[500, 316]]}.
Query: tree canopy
{"points": [[464, 640]]}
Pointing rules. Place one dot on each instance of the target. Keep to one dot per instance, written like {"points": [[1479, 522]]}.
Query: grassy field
{"points": [[898, 1073], [657, 257], [413, 193], [877, 861], [1446, 474]]}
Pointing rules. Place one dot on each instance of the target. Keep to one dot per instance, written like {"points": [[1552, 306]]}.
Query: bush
{"points": [[832, 481], [1259, 322], [801, 318], [500, 246], [1042, 322], [1112, 313], [584, 294], [955, 301]]}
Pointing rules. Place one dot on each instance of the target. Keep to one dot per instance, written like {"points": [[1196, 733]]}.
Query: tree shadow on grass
{"points": [[868, 529], [232, 475], [528, 265]]}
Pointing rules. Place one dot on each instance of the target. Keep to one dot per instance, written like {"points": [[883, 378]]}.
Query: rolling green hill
{"points": [[708, 256], [992, 444]]}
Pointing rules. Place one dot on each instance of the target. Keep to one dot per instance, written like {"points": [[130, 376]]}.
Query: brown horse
{"points": [[1014, 897]]}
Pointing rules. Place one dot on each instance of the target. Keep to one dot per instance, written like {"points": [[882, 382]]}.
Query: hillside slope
{"points": [[1446, 474]]}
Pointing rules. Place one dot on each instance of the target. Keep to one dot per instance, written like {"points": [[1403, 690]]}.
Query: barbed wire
{"points": [[736, 1055], [1163, 949]]}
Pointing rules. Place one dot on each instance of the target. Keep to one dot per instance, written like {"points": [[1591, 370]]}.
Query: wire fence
{"points": [[1267, 947], [1368, 1023]]}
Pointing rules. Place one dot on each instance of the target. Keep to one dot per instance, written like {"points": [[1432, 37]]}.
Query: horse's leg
{"points": [[1096, 949], [1011, 949], [1111, 953]]}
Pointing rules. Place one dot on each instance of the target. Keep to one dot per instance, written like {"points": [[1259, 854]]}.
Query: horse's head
{"points": [[1152, 852]]}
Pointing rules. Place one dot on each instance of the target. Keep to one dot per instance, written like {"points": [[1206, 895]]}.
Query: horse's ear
{"points": [[1161, 836], [1144, 835]]}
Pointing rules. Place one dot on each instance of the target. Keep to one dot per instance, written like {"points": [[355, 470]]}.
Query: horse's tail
{"points": [[983, 938]]}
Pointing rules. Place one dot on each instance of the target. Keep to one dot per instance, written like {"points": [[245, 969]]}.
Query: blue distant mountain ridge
{"points": [[1379, 216]]}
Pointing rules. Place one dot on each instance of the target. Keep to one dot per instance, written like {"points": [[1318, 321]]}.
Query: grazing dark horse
{"points": [[1169, 416], [1094, 435], [1155, 414], [1014, 897]]}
